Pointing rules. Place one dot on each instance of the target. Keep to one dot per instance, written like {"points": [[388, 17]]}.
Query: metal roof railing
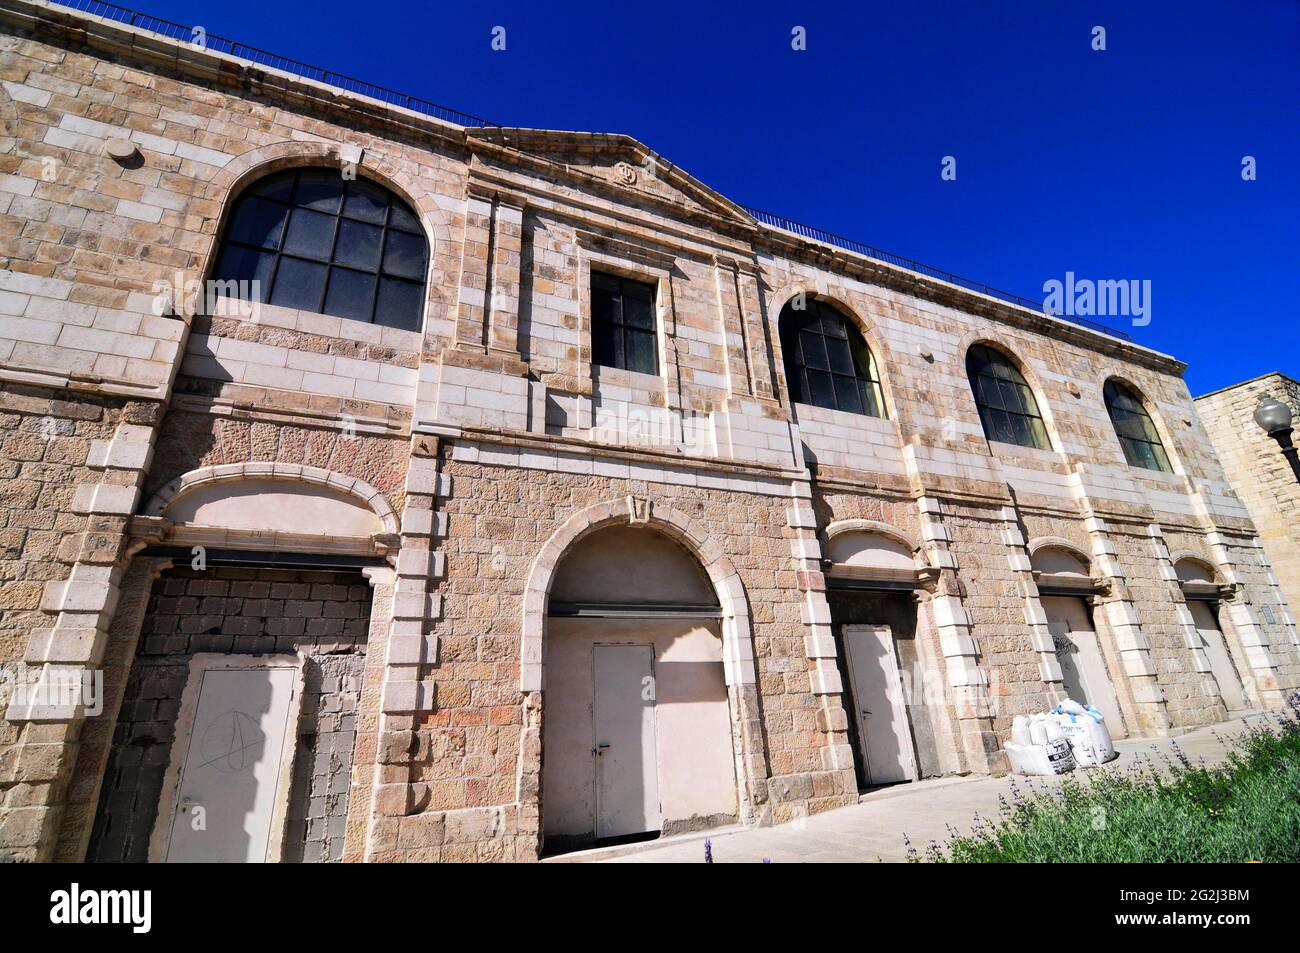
{"points": [[221, 44], [830, 238]]}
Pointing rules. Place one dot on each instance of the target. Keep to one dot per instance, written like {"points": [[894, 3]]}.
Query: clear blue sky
{"points": [[1117, 164]]}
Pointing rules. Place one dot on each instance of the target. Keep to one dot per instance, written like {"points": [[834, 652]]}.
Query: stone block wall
{"points": [[492, 434]]}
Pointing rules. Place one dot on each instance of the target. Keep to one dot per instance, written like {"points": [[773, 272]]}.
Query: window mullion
{"points": [[329, 262]]}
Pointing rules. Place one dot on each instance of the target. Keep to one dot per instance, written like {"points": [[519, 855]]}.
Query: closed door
{"points": [[884, 735], [233, 773], [1216, 650], [1083, 669], [623, 714]]}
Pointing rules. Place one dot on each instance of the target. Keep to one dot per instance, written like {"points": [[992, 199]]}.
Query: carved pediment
{"points": [[616, 161]]}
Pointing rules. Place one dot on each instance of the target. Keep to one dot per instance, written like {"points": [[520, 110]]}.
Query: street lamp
{"points": [[1274, 418]]}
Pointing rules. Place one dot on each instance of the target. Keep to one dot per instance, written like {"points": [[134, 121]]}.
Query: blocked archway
{"points": [[720, 581]]}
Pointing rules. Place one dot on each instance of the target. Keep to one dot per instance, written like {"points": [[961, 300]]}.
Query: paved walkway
{"points": [[873, 829]]}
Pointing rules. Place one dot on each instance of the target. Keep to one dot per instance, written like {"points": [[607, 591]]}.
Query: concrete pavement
{"points": [[873, 829]]}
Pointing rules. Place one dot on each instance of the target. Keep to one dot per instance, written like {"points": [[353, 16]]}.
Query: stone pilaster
{"points": [[1120, 615], [472, 294], [95, 741], [966, 679], [737, 347], [819, 640], [61, 673], [1191, 636], [756, 330], [1049, 664], [412, 646]]}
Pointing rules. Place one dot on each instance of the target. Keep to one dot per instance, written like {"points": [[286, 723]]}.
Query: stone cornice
{"points": [[835, 259], [72, 28]]}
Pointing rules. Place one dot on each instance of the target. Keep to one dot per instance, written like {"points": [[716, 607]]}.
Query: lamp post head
{"points": [[1272, 415]]}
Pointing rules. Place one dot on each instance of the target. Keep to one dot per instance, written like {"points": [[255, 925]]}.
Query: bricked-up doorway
{"points": [[855, 607], [1223, 667], [242, 610], [1085, 676], [662, 740]]}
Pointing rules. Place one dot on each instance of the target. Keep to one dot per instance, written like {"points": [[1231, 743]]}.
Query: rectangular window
{"points": [[623, 333]]}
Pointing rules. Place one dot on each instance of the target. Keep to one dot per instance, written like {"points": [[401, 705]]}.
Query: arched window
{"points": [[1135, 429], [1006, 402], [317, 242], [827, 363]]}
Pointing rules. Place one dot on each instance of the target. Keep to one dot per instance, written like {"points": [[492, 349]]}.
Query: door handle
{"points": [[600, 749]]}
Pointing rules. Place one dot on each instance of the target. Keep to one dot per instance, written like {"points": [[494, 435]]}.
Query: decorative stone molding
{"points": [[966, 678], [839, 527], [289, 472]]}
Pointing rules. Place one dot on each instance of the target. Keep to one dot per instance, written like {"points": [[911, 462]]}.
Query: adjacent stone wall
{"points": [[45, 440], [1258, 470]]}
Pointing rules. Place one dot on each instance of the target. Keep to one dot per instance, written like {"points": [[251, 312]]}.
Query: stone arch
{"points": [[1060, 543], [738, 654], [286, 472], [880, 350], [739, 670], [1035, 383], [874, 527], [1193, 567], [236, 175]]}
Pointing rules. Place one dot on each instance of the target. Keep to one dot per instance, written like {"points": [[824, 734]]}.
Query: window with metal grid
{"points": [[1135, 429], [623, 333], [1005, 400], [314, 241], [827, 362]]}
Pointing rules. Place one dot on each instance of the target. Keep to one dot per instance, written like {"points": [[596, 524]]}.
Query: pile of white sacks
{"points": [[1054, 742]]}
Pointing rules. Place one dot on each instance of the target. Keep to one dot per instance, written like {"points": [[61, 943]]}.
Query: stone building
{"points": [[1258, 471], [544, 496]]}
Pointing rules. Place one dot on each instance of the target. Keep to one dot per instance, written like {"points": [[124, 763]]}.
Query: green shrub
{"points": [[1247, 808]]}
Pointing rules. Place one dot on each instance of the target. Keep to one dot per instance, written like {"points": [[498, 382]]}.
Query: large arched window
{"points": [[1135, 429], [317, 242], [1006, 402], [827, 363]]}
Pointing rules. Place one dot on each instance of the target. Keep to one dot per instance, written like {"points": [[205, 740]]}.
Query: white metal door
{"points": [[623, 714], [884, 735], [231, 762], [1083, 668], [1216, 650]]}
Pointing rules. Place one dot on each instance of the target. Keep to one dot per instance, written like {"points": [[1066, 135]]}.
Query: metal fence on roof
{"points": [[849, 244], [221, 44]]}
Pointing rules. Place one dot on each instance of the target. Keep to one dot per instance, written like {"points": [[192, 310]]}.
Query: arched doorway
{"points": [[1201, 591], [637, 737], [1065, 589]]}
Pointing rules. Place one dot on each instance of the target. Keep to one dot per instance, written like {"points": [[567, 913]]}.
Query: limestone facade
{"points": [[1258, 471], [446, 474]]}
